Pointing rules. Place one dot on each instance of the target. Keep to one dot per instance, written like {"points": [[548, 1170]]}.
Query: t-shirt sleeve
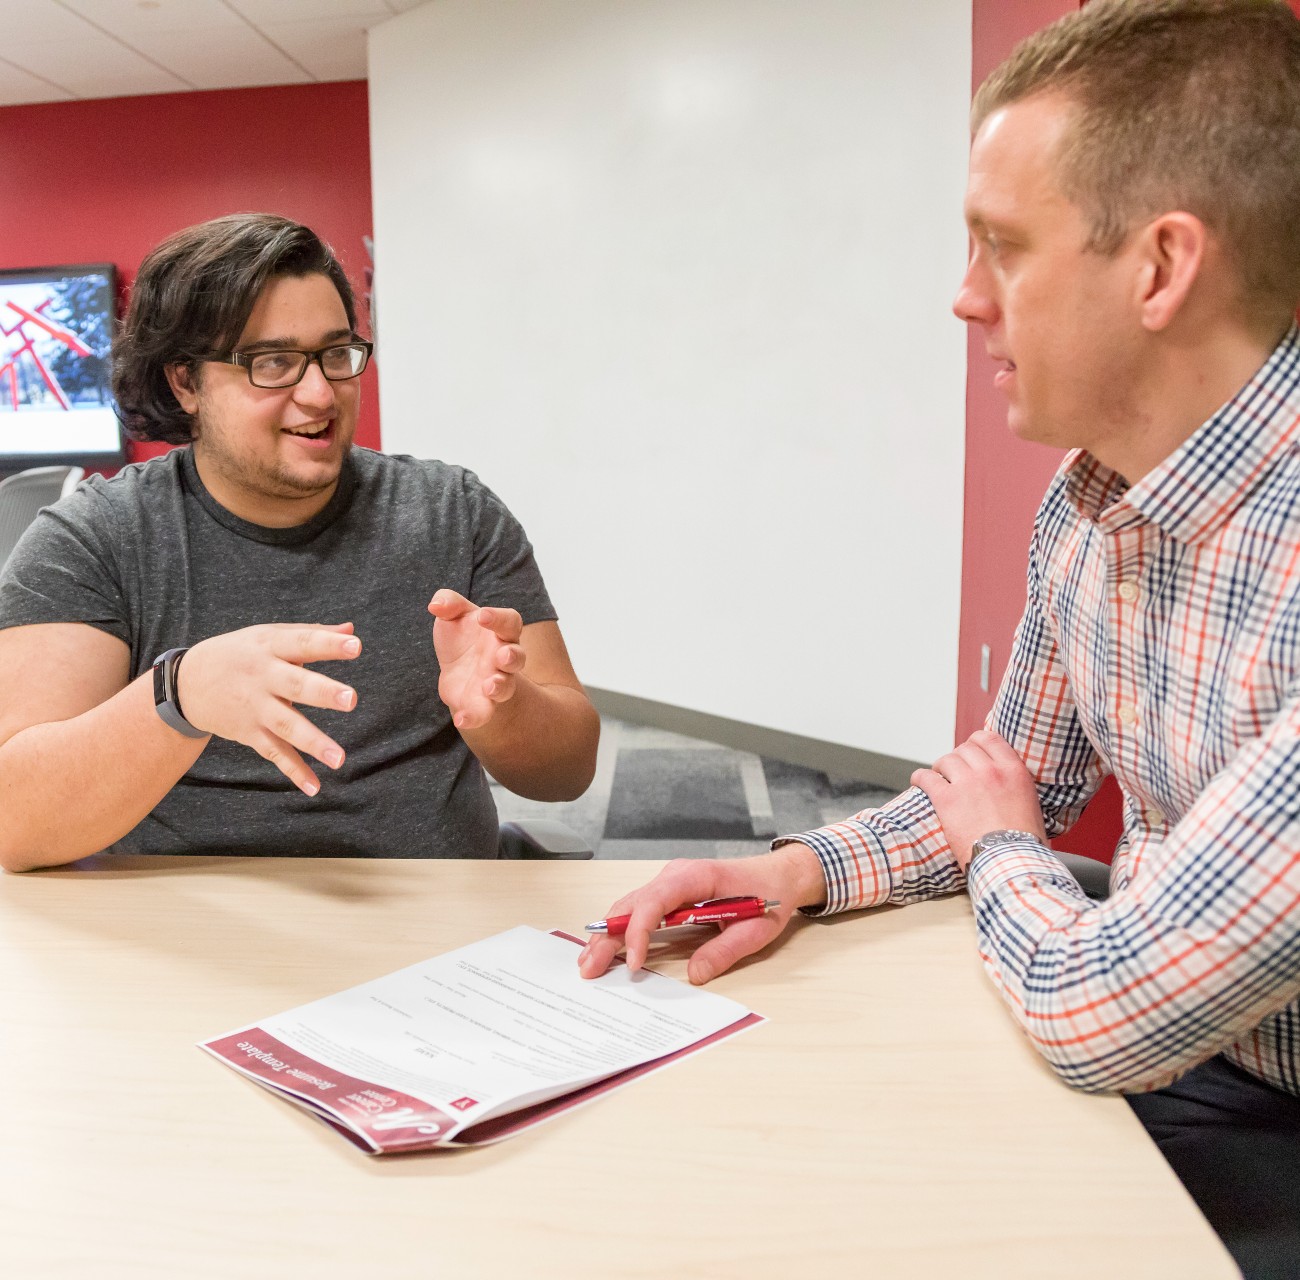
{"points": [[505, 571], [64, 569]]}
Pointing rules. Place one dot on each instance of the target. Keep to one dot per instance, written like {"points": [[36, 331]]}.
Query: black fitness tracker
{"points": [[165, 700]]}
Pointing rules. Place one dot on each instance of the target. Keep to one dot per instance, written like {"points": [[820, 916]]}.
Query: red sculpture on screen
{"points": [[27, 347]]}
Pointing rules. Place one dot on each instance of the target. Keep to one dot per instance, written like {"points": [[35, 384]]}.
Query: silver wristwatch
{"points": [[992, 839]]}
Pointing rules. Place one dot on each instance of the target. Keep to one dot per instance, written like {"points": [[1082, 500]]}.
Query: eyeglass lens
{"points": [[284, 368]]}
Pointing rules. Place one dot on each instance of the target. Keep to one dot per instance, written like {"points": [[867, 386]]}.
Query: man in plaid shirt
{"points": [[1134, 212]]}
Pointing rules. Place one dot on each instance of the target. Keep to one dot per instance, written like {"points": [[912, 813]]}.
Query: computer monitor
{"points": [[56, 403]]}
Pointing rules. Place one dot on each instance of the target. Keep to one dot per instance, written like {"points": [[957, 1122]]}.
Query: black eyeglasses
{"points": [[272, 369]]}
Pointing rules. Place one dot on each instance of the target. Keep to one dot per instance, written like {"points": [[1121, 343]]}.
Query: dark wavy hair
{"points": [[191, 301]]}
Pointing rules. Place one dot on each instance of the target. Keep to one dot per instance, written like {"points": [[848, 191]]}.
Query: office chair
{"points": [[541, 838], [1093, 876], [24, 494]]}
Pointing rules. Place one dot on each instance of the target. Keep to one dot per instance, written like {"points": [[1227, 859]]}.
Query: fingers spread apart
{"points": [[307, 642]]}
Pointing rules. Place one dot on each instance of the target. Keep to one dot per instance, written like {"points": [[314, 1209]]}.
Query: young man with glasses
{"points": [[161, 630]]}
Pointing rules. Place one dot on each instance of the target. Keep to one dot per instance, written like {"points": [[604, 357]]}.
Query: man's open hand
{"points": [[243, 686], [479, 655]]}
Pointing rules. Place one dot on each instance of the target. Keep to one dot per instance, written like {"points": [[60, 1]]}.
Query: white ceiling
{"points": [[58, 50]]}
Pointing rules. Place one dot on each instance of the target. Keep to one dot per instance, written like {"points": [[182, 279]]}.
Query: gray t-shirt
{"points": [[150, 557]]}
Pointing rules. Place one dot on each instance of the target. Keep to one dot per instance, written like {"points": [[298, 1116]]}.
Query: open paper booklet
{"points": [[475, 1045]]}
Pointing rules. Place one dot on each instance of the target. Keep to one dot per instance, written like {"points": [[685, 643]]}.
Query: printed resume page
{"points": [[415, 1058]]}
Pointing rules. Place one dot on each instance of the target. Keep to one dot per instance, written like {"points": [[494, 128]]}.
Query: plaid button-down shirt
{"points": [[1160, 643]]}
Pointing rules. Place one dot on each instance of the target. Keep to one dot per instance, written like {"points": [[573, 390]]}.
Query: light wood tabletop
{"points": [[888, 1120]]}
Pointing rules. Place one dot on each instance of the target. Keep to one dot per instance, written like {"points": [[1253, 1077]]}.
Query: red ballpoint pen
{"points": [[712, 911]]}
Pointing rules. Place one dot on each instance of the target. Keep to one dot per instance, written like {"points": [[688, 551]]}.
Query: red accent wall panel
{"points": [[105, 180], [1005, 479]]}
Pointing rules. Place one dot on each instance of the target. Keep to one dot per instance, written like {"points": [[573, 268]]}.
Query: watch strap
{"points": [[166, 700]]}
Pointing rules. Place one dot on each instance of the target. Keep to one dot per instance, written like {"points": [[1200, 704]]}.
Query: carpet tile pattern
{"points": [[662, 795]]}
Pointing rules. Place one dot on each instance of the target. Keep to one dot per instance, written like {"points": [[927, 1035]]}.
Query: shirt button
{"points": [[1155, 818], [1128, 714], [1128, 590]]}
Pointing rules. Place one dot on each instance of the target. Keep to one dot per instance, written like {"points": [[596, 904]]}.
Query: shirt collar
{"points": [[292, 536], [1195, 490]]}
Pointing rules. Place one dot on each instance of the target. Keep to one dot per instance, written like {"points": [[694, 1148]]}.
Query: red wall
{"points": [[1005, 479], [105, 180]]}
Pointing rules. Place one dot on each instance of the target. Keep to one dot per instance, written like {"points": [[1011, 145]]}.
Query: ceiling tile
{"points": [[39, 20], [329, 50], [264, 13], [17, 86], [98, 48], [94, 67], [129, 18], [239, 59]]}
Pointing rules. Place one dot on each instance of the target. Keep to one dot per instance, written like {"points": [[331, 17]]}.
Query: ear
{"points": [[1173, 251], [184, 387]]}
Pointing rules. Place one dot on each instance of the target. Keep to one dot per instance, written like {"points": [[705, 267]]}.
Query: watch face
{"points": [[991, 839]]}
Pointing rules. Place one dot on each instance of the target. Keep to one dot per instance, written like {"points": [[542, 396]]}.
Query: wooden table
{"points": [[888, 1120]]}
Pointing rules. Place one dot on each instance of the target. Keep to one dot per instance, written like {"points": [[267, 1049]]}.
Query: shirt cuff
{"points": [[1021, 863], [855, 865]]}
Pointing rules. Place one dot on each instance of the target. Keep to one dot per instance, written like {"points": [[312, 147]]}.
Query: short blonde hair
{"points": [[1191, 105]]}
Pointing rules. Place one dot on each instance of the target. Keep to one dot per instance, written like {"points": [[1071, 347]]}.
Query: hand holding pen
{"points": [[710, 911], [772, 885]]}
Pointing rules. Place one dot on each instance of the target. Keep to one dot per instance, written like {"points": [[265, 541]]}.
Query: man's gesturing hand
{"points": [[243, 686], [790, 875], [980, 787], [479, 656]]}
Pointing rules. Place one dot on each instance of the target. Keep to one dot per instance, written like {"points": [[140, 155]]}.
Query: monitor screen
{"points": [[56, 404]]}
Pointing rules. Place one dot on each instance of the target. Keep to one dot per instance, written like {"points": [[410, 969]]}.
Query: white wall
{"points": [[673, 277]]}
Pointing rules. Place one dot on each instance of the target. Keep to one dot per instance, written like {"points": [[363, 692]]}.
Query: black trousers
{"points": [[1234, 1142]]}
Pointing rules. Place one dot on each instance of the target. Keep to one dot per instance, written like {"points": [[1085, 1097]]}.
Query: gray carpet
{"points": [[661, 795]]}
